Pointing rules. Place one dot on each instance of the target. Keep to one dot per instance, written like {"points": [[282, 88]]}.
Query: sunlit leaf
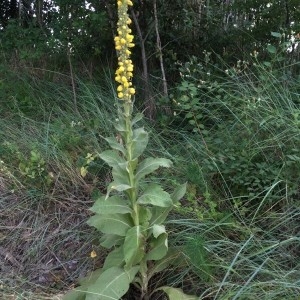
{"points": [[155, 195], [112, 223], [149, 165], [177, 294], [113, 283], [159, 247], [111, 205], [158, 230], [111, 157], [110, 240]]}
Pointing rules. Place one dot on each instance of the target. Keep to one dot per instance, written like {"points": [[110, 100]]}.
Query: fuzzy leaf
{"points": [[271, 49], [137, 118], [110, 240], [76, 294], [149, 165], [111, 205], [172, 257], [118, 187], [111, 157], [158, 230], [159, 214], [159, 248], [155, 195], [178, 193], [114, 259], [177, 294], [114, 144], [139, 142], [113, 283], [120, 173], [117, 224], [80, 292], [133, 246]]}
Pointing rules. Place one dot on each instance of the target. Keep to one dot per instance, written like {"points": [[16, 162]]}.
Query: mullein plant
{"points": [[130, 217]]}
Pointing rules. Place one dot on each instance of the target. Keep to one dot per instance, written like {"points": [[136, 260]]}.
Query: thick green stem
{"points": [[132, 193]]}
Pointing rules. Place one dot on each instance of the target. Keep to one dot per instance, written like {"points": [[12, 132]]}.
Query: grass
{"points": [[237, 242]]}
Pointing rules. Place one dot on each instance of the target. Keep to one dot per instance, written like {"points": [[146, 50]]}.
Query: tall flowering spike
{"points": [[123, 43]]}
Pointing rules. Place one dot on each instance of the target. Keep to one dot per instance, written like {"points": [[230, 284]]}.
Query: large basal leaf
{"points": [[114, 259], [110, 240], [111, 157], [155, 195], [159, 247], [113, 283], [177, 294], [80, 292], [112, 224], [149, 165], [111, 205], [114, 144], [178, 193], [139, 142], [134, 246], [76, 294]]}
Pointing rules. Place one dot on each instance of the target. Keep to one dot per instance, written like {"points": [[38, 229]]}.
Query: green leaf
{"points": [[149, 165], [157, 230], [177, 294], [134, 246], [113, 283], [120, 125], [139, 142], [117, 224], [144, 215], [120, 173], [271, 49], [114, 259], [138, 117], [159, 247], [111, 205], [155, 195], [118, 187], [114, 144], [111, 157], [276, 34], [159, 215], [178, 193], [110, 240], [172, 257], [76, 294], [80, 292]]}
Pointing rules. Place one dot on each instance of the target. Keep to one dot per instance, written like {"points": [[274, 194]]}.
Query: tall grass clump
{"points": [[244, 124], [49, 168]]}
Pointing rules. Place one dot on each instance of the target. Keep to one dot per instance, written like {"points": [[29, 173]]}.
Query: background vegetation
{"points": [[219, 84]]}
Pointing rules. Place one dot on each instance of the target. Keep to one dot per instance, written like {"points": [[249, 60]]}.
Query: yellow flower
{"points": [[93, 254], [123, 42], [132, 91]]}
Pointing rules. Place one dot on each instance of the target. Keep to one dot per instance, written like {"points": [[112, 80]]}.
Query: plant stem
{"points": [[132, 193]]}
